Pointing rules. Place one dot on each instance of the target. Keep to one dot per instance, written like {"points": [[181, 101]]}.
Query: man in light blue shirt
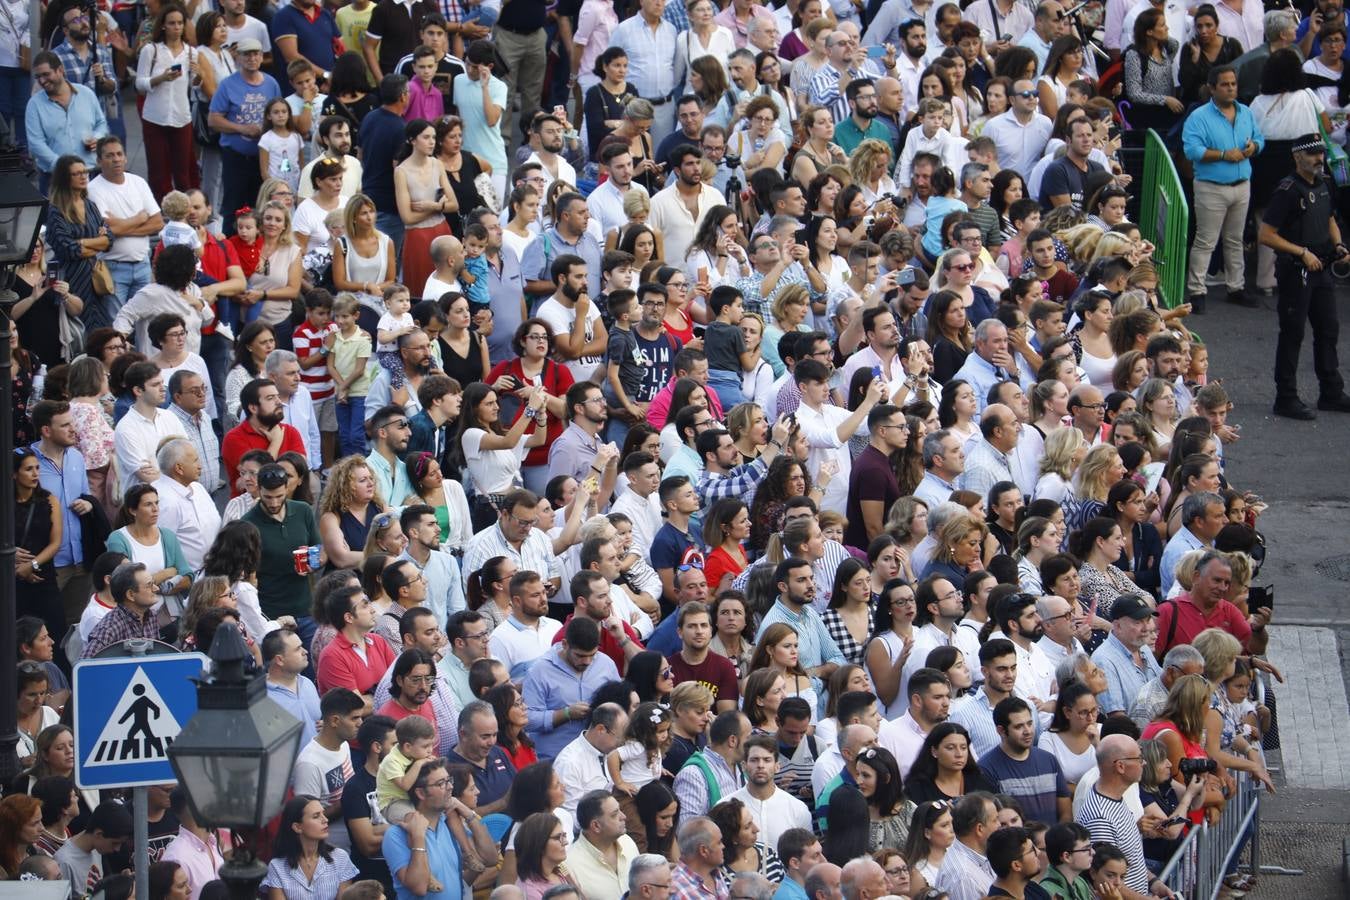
{"points": [[990, 362], [944, 459], [482, 102], [558, 688], [1050, 23], [799, 850], [63, 118], [690, 422], [440, 570], [286, 659], [1220, 139], [62, 473], [1125, 656], [1202, 517], [283, 368], [988, 461], [389, 433], [817, 651]]}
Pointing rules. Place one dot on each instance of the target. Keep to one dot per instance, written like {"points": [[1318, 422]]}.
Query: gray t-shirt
{"points": [[723, 343]]}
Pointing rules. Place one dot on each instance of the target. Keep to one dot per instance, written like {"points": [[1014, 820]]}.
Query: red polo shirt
{"points": [[341, 666], [398, 712], [244, 437], [1190, 621]]}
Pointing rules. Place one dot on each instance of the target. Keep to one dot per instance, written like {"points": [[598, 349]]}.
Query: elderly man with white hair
{"points": [[701, 854], [185, 507], [863, 879], [282, 368], [990, 362], [447, 255], [1057, 620], [648, 877]]}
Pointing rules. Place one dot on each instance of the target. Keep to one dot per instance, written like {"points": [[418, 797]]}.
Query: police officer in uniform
{"points": [[1300, 227]]}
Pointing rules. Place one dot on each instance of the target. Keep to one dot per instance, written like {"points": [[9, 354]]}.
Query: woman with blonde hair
{"points": [[1158, 406], [907, 523], [1223, 740], [791, 309], [1081, 241], [1112, 243], [1049, 404], [364, 261], [757, 382], [1100, 469], [347, 509], [869, 165], [1065, 449], [749, 429], [958, 549]]}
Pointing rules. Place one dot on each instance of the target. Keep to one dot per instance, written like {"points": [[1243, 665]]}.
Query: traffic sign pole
{"points": [[140, 817]]}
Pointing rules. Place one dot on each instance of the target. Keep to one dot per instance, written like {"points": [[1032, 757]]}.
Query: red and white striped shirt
{"points": [[307, 342]]}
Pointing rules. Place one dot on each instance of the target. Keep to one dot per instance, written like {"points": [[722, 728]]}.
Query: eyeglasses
{"points": [[898, 871], [199, 390], [523, 523], [176, 333], [663, 885], [559, 837], [768, 120], [439, 783], [1088, 850], [398, 423], [537, 337], [419, 679], [73, 19], [480, 636]]}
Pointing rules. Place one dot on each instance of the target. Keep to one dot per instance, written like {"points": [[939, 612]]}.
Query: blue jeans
{"points": [[351, 416], [129, 277], [305, 629], [391, 224], [216, 352], [728, 388], [481, 15]]}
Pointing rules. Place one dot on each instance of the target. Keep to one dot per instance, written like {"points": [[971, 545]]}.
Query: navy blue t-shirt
{"points": [[313, 40], [1036, 782], [658, 362], [381, 137], [672, 548]]}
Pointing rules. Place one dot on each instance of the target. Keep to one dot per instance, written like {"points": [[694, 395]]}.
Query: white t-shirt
{"points": [[434, 288], [821, 430], [308, 220], [492, 471], [122, 201], [285, 156], [320, 772], [252, 28], [560, 320], [390, 322]]}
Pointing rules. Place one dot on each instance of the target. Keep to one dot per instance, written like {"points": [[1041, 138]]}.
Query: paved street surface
{"points": [[1301, 469]]}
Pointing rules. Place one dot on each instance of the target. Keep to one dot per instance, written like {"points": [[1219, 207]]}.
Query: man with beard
{"points": [[414, 674], [816, 650], [882, 350], [678, 210], [262, 429], [1023, 771], [910, 64], [88, 62], [775, 811], [579, 335], [1017, 618], [389, 434], [335, 137], [1021, 133], [939, 606], [570, 234], [574, 452], [439, 570], [606, 202], [619, 640], [548, 130], [844, 62], [862, 125], [417, 629], [975, 712], [414, 348], [284, 525], [64, 119], [929, 693]]}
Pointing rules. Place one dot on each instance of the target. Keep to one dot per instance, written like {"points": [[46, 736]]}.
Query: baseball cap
{"points": [[1131, 606]]}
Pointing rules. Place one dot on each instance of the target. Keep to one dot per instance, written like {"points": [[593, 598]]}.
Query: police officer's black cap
{"points": [[1309, 143]]}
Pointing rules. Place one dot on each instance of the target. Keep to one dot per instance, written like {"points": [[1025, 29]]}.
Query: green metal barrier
{"points": [[1164, 219]]}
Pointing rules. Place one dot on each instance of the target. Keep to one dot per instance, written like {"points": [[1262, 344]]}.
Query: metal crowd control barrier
{"points": [[1208, 853], [1164, 219]]}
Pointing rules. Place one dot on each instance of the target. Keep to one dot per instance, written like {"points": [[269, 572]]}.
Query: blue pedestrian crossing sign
{"points": [[130, 710]]}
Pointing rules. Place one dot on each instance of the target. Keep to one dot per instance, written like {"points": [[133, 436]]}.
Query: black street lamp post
{"points": [[22, 212], [234, 757]]}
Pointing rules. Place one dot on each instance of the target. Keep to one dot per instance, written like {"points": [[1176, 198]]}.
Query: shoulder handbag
{"points": [[101, 277]]}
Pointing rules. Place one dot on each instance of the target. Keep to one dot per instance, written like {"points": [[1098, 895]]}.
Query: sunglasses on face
{"points": [[1025, 95]]}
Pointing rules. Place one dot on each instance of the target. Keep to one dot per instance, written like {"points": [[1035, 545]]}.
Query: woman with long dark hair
{"points": [[1149, 84], [1143, 548], [1207, 49], [77, 234], [461, 167], [349, 92], [742, 851], [1063, 66], [605, 101], [787, 478], [531, 367], [535, 789], [303, 862], [489, 590], [38, 522], [541, 851], [493, 454], [654, 831], [251, 348], [950, 335], [141, 540], [848, 826], [509, 707], [849, 618], [424, 197], [164, 74], [889, 811], [892, 640], [1072, 737], [944, 769]]}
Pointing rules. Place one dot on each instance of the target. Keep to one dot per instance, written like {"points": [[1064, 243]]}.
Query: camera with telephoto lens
{"points": [[1193, 768]]}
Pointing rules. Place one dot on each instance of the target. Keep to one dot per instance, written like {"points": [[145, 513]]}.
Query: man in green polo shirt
{"points": [[284, 526], [862, 125]]}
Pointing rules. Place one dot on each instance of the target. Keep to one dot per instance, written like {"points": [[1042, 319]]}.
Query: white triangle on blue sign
{"points": [[140, 728]]}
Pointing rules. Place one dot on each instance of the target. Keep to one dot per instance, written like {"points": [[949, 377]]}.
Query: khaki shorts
{"points": [[326, 412]]}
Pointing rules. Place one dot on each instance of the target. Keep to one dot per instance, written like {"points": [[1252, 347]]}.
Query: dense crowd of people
{"points": [[765, 470]]}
